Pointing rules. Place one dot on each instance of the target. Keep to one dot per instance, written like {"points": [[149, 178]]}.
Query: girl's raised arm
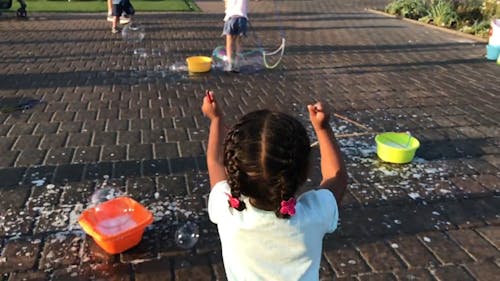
{"points": [[333, 168], [215, 160]]}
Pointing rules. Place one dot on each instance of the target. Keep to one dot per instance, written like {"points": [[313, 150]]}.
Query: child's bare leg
{"points": [[115, 21], [238, 45], [229, 48], [110, 7]]}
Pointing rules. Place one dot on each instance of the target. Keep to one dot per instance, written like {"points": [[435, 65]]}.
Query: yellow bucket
{"points": [[396, 147], [199, 64]]}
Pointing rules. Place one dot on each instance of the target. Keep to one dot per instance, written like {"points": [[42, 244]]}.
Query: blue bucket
{"points": [[492, 52]]}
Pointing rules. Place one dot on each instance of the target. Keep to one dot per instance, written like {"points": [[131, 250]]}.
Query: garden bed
{"points": [[472, 17]]}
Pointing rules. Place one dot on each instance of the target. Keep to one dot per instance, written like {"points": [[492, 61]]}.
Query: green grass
{"points": [[91, 6]]}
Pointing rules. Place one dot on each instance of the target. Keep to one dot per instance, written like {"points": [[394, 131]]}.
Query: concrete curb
{"points": [[451, 31]]}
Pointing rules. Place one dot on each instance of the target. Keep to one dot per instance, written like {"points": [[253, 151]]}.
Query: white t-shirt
{"points": [[236, 8], [257, 245]]}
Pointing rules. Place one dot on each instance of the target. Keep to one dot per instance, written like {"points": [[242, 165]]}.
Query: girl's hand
{"points": [[209, 107], [319, 116]]}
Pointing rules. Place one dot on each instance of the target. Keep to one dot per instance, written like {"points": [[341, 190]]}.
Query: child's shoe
{"points": [[124, 19], [227, 67], [110, 18], [236, 65], [115, 30]]}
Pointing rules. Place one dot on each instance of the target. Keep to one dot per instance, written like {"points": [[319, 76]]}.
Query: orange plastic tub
{"points": [[116, 225]]}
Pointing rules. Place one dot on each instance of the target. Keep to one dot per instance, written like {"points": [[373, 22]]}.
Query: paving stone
{"points": [[13, 197], [53, 258], [58, 156], [486, 270], [46, 128], [183, 165], [39, 175], [380, 256], [66, 116], [413, 252], [104, 138], [346, 262], [470, 241], [141, 188], [70, 127], [30, 275], [443, 248], [8, 158], [155, 167], [160, 124], [192, 268], [140, 124], [452, 272], [19, 129], [98, 170], [75, 193], [153, 136], [377, 276], [79, 139], [11, 176], [20, 254], [146, 250], [165, 150], [492, 234], [6, 143], [113, 125], [140, 151], [172, 186], [190, 148], [127, 169], [4, 129], [86, 154], [218, 266], [113, 153], [154, 271], [470, 186], [26, 142], [16, 222], [31, 157], [414, 274], [491, 182], [53, 141], [129, 137], [177, 134]]}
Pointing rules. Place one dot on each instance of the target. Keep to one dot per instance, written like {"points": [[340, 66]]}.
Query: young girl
{"points": [[268, 229], [235, 26]]}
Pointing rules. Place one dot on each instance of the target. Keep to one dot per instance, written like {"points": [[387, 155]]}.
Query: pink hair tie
{"points": [[233, 202], [288, 207]]}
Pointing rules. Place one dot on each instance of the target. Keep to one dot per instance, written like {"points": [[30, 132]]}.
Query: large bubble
{"points": [[105, 193], [133, 33], [247, 61], [187, 235]]}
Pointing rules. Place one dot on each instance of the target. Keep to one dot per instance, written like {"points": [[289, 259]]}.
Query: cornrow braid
{"points": [[266, 156]]}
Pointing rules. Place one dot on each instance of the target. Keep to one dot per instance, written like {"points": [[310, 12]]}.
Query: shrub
{"points": [[441, 13], [413, 9], [490, 9]]}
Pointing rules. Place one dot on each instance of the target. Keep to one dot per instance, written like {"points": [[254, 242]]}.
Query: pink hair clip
{"points": [[233, 202], [288, 207]]}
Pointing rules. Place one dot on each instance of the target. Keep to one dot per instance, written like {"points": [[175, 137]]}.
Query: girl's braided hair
{"points": [[266, 156]]}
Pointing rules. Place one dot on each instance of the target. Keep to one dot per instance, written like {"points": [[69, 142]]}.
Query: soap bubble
{"points": [[187, 235], [133, 33], [105, 193], [248, 61], [178, 66]]}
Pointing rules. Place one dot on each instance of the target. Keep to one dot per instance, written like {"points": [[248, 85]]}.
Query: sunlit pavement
{"points": [[133, 123]]}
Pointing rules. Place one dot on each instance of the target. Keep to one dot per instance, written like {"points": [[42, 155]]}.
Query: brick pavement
{"points": [[111, 117]]}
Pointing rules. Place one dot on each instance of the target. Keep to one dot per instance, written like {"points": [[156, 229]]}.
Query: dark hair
{"points": [[266, 156]]}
